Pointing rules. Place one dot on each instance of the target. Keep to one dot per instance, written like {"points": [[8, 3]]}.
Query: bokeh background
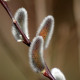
{"points": [[63, 51]]}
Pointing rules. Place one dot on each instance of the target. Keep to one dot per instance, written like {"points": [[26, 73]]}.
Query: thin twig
{"points": [[26, 40], [48, 74]]}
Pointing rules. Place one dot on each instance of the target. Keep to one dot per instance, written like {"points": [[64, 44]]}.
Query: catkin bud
{"points": [[21, 17], [46, 29], [36, 54], [58, 75]]}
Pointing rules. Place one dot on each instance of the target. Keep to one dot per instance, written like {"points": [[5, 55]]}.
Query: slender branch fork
{"points": [[47, 73]]}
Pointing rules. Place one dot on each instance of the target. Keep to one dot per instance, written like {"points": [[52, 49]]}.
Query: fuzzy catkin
{"points": [[36, 54], [21, 17], [46, 30], [58, 75]]}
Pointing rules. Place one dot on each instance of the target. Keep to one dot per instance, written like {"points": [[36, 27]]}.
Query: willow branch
{"points": [[26, 40], [48, 74]]}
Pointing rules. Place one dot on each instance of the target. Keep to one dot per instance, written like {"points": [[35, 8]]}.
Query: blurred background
{"points": [[63, 51]]}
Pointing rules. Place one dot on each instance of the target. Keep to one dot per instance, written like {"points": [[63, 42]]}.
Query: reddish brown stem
{"points": [[26, 40], [4, 4], [48, 74]]}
